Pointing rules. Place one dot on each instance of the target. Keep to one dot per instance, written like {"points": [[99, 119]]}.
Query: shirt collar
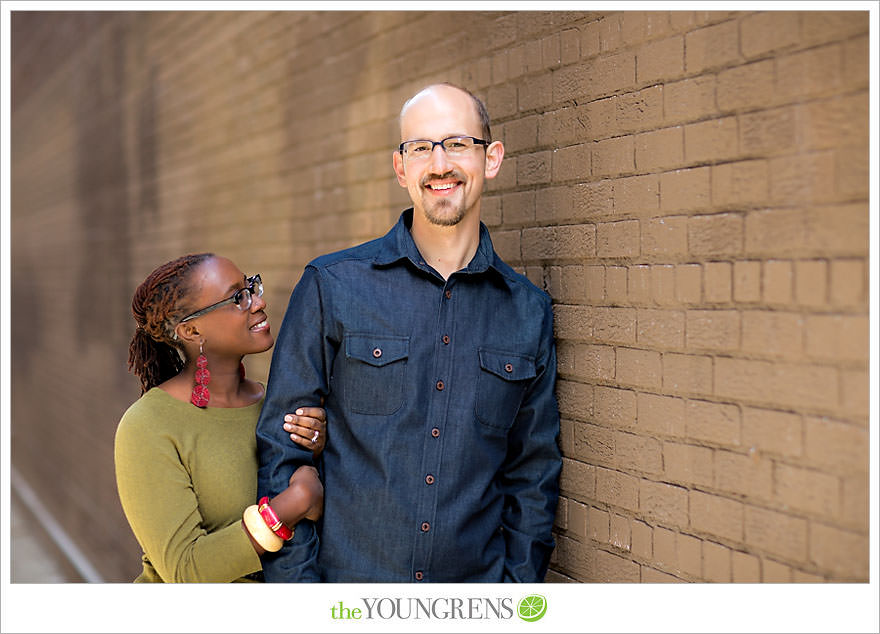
{"points": [[398, 244]]}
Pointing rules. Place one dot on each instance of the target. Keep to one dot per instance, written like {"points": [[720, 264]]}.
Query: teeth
{"points": [[449, 186], [259, 325]]}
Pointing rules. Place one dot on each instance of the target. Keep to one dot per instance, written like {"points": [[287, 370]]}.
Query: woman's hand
{"points": [[308, 428], [305, 480]]}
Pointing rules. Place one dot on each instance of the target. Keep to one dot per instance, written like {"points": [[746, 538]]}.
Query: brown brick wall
{"points": [[690, 187]]}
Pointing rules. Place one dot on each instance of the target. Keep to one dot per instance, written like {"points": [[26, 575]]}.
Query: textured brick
{"points": [[775, 572], [810, 282], [642, 540], [716, 515], [620, 532], [746, 475], [745, 568], [613, 156], [690, 99], [717, 282], [802, 178], [639, 110], [716, 234], [616, 284], [716, 563], [617, 239], [775, 231], [740, 183], [659, 60], [791, 385], [837, 337], [687, 373], [572, 163], [663, 284], [664, 503], [807, 490], [577, 480], [839, 229], [615, 407], [776, 533], [767, 31], [659, 149], [688, 464], [689, 551], [660, 328], [659, 414], [638, 454], [836, 445], [685, 190], [639, 284], [778, 282], [598, 522], [713, 140], [747, 281], [772, 431], [713, 422], [637, 195], [717, 330], [807, 73], [746, 86], [666, 236], [617, 489], [664, 547], [712, 47], [688, 283], [614, 325], [772, 333]]}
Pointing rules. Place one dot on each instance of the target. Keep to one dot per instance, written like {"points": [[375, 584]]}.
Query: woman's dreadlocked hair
{"points": [[153, 354]]}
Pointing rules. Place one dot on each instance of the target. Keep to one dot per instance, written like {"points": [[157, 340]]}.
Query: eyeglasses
{"points": [[241, 298], [453, 145]]}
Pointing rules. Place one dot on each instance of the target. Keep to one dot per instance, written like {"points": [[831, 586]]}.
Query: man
{"points": [[436, 365]]}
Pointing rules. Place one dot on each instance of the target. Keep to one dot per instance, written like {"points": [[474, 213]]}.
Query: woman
{"points": [[186, 458]]}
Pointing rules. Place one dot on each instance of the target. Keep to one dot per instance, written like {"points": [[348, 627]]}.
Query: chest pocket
{"points": [[374, 373], [503, 379]]}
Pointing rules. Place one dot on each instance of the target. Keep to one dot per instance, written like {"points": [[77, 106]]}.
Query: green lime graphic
{"points": [[532, 607]]}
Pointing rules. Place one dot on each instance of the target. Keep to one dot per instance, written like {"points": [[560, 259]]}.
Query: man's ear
{"points": [[399, 168], [494, 156]]}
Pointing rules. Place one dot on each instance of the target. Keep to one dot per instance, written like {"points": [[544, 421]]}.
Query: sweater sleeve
{"points": [[159, 502]]}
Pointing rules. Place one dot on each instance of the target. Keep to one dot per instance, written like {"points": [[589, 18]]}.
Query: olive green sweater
{"points": [[185, 475]]}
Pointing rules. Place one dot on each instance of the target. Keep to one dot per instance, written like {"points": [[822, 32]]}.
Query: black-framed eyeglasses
{"points": [[423, 148], [241, 298]]}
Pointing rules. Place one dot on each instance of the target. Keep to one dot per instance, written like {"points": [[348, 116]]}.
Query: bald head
{"points": [[452, 94]]}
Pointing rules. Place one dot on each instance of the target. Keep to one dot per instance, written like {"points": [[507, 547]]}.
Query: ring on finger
{"points": [[315, 437]]}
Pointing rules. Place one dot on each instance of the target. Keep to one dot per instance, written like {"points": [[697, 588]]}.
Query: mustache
{"points": [[450, 174]]}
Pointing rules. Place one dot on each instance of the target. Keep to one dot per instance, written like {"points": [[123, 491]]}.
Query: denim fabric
{"points": [[441, 462]]}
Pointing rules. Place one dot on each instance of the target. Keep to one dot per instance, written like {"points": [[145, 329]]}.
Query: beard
{"points": [[445, 212]]}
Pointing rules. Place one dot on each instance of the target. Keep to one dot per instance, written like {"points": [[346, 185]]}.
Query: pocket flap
{"points": [[376, 350], [508, 365]]}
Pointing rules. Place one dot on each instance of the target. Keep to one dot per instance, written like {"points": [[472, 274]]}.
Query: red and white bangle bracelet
{"points": [[272, 520]]}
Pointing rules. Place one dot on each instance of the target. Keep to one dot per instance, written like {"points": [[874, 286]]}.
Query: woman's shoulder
{"points": [[155, 408]]}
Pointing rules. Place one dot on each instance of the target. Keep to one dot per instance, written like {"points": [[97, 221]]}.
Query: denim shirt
{"points": [[441, 463]]}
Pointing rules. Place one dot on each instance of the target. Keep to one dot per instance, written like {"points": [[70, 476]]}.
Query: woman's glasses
{"points": [[241, 298]]}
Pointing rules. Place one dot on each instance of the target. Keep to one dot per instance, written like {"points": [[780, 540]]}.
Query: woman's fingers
{"points": [[307, 426]]}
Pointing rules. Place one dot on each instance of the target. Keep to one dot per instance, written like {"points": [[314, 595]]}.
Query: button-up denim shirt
{"points": [[441, 463]]}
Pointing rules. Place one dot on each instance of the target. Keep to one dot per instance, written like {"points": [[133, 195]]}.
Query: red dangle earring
{"points": [[200, 393]]}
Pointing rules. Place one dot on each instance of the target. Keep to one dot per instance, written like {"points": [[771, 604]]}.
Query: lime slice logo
{"points": [[532, 607]]}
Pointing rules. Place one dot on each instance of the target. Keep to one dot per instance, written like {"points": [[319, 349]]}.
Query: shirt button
{"points": [[429, 479], [419, 575], [425, 527], [440, 385], [377, 352], [446, 339], [508, 368], [435, 432], [448, 294]]}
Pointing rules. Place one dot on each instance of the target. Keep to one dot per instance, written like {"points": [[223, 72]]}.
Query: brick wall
{"points": [[690, 187]]}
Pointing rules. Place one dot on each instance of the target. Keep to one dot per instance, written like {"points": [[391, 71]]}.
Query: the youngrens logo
{"points": [[530, 608]]}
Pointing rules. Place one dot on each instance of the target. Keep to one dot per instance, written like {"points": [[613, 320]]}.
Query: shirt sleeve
{"points": [[530, 477], [298, 376], [157, 496]]}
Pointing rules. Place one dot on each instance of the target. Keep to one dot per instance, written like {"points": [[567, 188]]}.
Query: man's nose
{"points": [[439, 160]]}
